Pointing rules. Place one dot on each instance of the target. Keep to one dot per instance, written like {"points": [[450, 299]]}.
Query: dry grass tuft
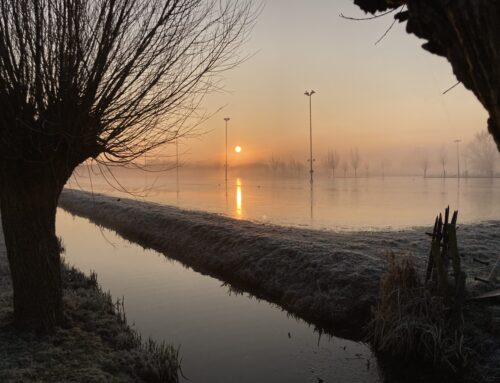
{"points": [[412, 323]]}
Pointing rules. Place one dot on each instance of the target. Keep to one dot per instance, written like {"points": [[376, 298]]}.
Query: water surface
{"points": [[224, 337], [232, 338], [332, 203]]}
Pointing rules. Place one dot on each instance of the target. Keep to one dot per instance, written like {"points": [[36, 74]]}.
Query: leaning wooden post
{"points": [[441, 272], [460, 276], [431, 261]]}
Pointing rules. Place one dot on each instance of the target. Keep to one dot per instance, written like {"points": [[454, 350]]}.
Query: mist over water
{"points": [[227, 337], [332, 203]]}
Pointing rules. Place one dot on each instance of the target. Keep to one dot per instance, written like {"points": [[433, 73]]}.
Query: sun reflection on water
{"points": [[239, 199]]}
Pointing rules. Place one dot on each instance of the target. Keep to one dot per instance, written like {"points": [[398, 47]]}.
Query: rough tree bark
{"points": [[466, 33], [28, 202]]}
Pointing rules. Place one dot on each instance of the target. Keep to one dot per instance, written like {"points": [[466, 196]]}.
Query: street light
{"points": [[227, 120], [458, 156], [309, 94]]}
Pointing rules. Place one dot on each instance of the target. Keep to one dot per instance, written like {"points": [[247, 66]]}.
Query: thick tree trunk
{"points": [[28, 203], [467, 33]]}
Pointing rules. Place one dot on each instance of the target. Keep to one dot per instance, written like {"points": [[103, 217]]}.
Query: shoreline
{"points": [[329, 279], [268, 261], [94, 345]]}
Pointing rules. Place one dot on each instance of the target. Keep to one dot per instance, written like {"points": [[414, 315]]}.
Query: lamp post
{"points": [[458, 156], [311, 171], [227, 120]]}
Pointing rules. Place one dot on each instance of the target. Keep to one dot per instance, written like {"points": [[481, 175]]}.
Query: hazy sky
{"points": [[386, 99]]}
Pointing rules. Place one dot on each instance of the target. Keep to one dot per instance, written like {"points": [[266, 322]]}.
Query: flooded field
{"points": [[226, 336], [332, 203]]}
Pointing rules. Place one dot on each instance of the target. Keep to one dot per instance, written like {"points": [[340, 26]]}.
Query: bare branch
{"points": [[114, 78], [452, 87], [401, 10], [367, 18]]}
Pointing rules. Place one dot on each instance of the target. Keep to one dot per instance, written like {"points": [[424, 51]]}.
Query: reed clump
{"points": [[420, 318], [412, 323]]}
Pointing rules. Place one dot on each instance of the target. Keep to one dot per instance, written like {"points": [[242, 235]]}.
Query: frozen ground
{"points": [[328, 278], [95, 345]]}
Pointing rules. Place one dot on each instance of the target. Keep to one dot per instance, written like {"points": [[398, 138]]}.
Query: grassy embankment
{"points": [[330, 279], [95, 344]]}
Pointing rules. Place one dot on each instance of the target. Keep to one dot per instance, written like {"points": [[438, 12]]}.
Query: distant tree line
{"points": [[291, 167], [332, 162], [478, 158]]}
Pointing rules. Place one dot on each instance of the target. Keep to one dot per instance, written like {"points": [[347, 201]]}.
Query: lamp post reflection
{"points": [[239, 199], [312, 203], [311, 171], [458, 157], [227, 119], [311, 159]]}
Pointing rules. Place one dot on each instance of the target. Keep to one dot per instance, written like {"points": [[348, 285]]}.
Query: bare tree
{"points": [[296, 168], [345, 167], [107, 80], [355, 160], [466, 166], [482, 154], [383, 165], [332, 161], [276, 165], [424, 163], [443, 158]]}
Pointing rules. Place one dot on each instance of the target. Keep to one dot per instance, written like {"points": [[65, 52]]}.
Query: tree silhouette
{"points": [[355, 161], [332, 161], [107, 80], [383, 165], [465, 32], [423, 162], [443, 158], [345, 167], [296, 168], [276, 165], [482, 154]]}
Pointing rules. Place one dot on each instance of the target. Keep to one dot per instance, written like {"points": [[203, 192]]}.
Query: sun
{"points": [[238, 149]]}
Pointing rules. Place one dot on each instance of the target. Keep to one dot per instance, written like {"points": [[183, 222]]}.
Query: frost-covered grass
{"points": [[412, 322], [331, 279], [418, 336], [95, 344]]}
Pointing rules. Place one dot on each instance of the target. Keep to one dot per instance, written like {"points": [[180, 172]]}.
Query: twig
{"points": [[451, 88], [386, 32], [391, 26], [367, 18]]}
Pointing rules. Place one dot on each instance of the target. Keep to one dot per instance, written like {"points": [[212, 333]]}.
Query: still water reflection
{"points": [[228, 338], [224, 337], [239, 199], [339, 203]]}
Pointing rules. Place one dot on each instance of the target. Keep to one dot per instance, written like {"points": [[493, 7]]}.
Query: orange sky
{"points": [[386, 100]]}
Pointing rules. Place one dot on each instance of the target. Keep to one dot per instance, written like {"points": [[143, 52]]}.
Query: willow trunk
{"points": [[28, 202]]}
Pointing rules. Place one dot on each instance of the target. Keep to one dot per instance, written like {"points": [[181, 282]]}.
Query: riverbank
{"points": [[95, 345], [328, 278]]}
